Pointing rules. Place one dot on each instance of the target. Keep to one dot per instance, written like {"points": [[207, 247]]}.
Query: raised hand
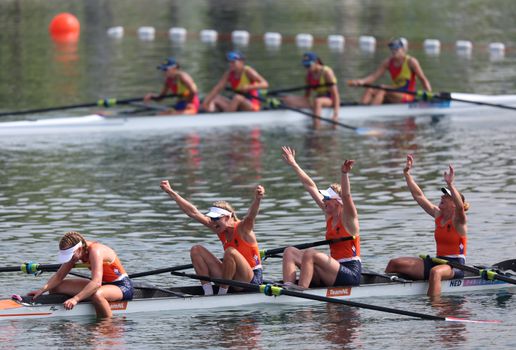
{"points": [[409, 163], [347, 166], [449, 176], [289, 155], [260, 191], [165, 186]]}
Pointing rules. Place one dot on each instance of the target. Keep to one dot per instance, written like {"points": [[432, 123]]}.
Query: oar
{"points": [[32, 268], [103, 102], [445, 96], [264, 253], [485, 273], [279, 104], [272, 290]]}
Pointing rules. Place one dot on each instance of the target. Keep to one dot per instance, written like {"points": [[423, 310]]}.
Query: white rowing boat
{"points": [[152, 299], [97, 122]]}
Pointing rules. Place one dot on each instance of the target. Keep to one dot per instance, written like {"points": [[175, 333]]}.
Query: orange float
{"points": [[64, 27]]}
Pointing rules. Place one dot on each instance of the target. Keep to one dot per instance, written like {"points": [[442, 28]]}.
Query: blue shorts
{"points": [[181, 105], [457, 273], [258, 277], [349, 273], [126, 286]]}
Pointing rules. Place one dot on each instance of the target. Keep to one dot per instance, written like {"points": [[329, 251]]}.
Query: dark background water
{"points": [[107, 185]]}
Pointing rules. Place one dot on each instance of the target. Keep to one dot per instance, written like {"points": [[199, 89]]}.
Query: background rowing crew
{"points": [[321, 89], [242, 262]]}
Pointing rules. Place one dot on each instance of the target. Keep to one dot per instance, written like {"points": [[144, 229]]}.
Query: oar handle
{"points": [[32, 268], [298, 88]]}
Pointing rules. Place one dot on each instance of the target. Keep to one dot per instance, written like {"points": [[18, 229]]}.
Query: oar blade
{"points": [[465, 320]]}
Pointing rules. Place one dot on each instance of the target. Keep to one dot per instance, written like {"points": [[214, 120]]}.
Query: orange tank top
{"points": [[342, 251], [112, 271], [249, 251], [448, 241]]}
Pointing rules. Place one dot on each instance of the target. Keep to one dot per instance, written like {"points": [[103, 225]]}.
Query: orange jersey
{"points": [[238, 82], [342, 251], [112, 271], [448, 241], [249, 251]]}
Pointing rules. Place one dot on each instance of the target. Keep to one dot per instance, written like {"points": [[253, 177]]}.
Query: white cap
{"points": [[65, 255], [216, 212], [331, 194]]}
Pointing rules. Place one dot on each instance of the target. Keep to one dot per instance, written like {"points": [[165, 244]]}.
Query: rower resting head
{"points": [[70, 243]]}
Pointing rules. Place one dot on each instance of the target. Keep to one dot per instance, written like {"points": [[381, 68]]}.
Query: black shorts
{"points": [[457, 273], [126, 286], [349, 273]]}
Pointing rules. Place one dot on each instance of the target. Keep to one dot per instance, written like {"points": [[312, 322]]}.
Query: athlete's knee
{"points": [[230, 253], [308, 255], [196, 250]]}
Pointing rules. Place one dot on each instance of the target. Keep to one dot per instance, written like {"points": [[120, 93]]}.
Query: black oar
{"points": [[297, 88], [264, 253], [276, 103], [104, 102], [32, 268], [273, 290], [444, 96], [485, 273]]}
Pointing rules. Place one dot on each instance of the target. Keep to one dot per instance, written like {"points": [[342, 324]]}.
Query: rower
{"points": [[241, 260], [450, 234], [109, 281], [321, 81], [244, 80], [179, 83], [343, 266], [403, 69]]}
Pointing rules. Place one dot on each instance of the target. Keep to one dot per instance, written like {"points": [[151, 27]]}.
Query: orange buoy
{"points": [[65, 25]]}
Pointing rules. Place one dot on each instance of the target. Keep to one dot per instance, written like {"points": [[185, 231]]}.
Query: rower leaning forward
{"points": [[241, 260]]}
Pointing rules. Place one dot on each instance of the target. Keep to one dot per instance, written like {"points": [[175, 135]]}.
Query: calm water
{"points": [[107, 185]]}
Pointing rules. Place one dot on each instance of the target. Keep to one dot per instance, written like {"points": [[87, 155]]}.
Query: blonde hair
{"points": [[336, 187], [464, 203], [70, 239], [225, 205]]}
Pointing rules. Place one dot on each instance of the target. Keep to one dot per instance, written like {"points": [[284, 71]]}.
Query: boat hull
{"points": [[158, 301]]}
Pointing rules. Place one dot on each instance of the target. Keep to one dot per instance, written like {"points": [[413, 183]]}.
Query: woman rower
{"points": [[244, 80], [343, 266], [450, 234], [241, 254], [179, 83], [321, 80], [109, 281]]}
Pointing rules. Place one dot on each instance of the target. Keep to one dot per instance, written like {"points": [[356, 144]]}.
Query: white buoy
{"points": [[177, 34], [432, 47], [367, 43], [496, 51], [208, 36], [336, 42], [240, 37], [115, 32], [464, 48], [405, 43], [272, 39], [146, 33], [304, 40]]}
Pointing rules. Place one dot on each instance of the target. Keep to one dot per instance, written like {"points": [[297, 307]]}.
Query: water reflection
{"points": [[450, 333]]}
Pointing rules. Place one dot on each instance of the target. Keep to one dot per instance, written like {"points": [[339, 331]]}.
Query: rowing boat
{"points": [[97, 122], [153, 299]]}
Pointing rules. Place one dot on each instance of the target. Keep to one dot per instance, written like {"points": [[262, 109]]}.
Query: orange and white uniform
{"points": [[239, 82], [448, 241], [249, 251], [403, 78]]}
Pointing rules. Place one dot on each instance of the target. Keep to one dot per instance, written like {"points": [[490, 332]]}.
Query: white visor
{"points": [[216, 212], [65, 255], [331, 194]]}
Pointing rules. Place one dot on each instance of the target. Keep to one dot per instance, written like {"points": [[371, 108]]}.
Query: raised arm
{"points": [[289, 156], [247, 224], [416, 192], [187, 207], [350, 215], [460, 213], [416, 68]]}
